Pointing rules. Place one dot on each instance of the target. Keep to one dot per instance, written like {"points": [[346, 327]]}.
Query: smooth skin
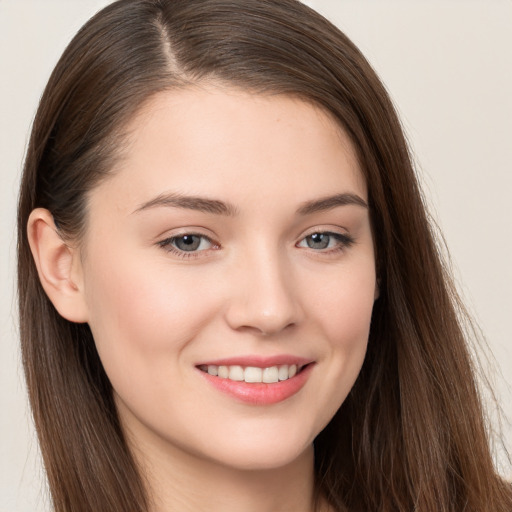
{"points": [[234, 225]]}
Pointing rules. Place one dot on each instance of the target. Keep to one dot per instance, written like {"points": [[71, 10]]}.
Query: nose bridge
{"points": [[263, 295]]}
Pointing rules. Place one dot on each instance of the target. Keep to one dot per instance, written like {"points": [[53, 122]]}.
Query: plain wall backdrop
{"points": [[448, 67]]}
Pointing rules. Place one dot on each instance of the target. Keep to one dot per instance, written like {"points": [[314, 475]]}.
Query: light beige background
{"points": [[448, 65]]}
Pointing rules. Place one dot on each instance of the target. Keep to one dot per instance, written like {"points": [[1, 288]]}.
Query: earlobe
{"points": [[58, 266]]}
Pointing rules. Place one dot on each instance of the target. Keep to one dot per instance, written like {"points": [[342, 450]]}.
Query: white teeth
{"points": [[236, 373], [283, 372], [271, 374], [253, 374], [223, 372]]}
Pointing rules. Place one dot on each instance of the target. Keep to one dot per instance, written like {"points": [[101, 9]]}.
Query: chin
{"points": [[261, 449], [259, 458]]}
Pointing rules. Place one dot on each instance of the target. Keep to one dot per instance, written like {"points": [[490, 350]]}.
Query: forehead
{"points": [[217, 141]]}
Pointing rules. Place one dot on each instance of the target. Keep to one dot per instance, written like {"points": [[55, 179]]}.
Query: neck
{"points": [[179, 481]]}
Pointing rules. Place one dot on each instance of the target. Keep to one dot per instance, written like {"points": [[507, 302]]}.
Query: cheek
{"points": [[344, 304], [343, 309], [142, 319]]}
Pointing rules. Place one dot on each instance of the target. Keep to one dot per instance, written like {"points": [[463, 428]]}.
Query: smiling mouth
{"points": [[253, 374]]}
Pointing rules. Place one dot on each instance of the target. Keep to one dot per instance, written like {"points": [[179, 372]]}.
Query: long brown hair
{"points": [[411, 434]]}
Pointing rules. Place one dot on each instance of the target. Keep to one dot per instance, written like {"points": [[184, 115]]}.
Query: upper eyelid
{"points": [[335, 230], [177, 232]]}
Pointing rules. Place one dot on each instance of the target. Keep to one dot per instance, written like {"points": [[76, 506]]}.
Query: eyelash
{"points": [[168, 246], [343, 242]]}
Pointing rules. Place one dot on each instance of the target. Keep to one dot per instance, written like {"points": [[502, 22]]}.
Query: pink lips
{"points": [[260, 393]]}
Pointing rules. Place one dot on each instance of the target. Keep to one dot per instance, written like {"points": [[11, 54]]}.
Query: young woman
{"points": [[230, 295]]}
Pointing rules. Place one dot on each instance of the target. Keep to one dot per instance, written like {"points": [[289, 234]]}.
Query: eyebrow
{"points": [[201, 204], [217, 207], [330, 202]]}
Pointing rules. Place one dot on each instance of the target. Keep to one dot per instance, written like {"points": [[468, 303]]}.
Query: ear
{"points": [[58, 265]]}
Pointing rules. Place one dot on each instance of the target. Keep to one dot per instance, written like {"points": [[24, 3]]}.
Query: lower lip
{"points": [[261, 393]]}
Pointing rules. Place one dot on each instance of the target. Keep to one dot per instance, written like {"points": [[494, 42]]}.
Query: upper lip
{"points": [[258, 361]]}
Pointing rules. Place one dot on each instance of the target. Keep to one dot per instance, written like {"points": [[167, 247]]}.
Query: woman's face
{"points": [[232, 238]]}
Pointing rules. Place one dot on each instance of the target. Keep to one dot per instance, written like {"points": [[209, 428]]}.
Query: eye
{"points": [[325, 240], [187, 243]]}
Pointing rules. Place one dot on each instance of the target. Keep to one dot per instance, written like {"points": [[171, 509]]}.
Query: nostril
{"points": [[265, 329]]}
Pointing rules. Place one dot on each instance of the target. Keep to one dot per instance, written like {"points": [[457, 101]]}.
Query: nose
{"points": [[263, 295]]}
